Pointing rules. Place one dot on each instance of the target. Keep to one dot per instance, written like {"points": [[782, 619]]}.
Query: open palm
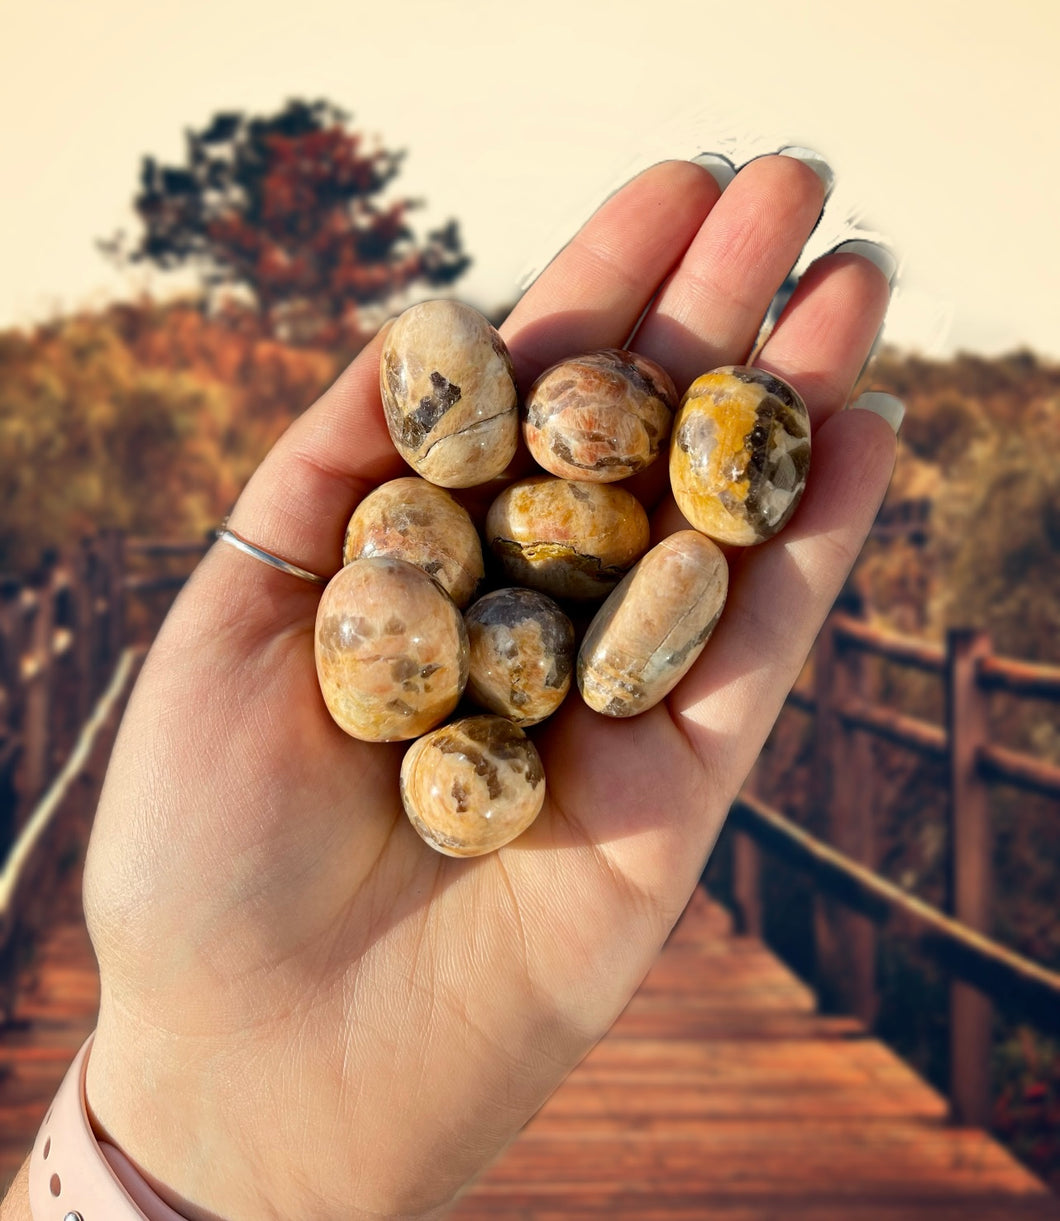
{"points": [[306, 1012]]}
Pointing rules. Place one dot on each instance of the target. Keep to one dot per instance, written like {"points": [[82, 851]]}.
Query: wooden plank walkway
{"points": [[719, 1094]]}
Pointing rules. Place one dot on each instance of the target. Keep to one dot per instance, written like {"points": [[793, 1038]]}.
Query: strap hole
{"points": [[55, 1185], [47, 1148]]}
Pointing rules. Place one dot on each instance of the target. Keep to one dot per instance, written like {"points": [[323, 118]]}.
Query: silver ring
{"points": [[266, 557]]}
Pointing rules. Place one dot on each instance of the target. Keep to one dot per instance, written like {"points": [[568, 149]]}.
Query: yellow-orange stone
{"points": [[739, 454], [569, 540]]}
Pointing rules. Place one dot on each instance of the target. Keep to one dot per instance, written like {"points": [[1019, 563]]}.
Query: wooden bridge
{"points": [[723, 1091]]}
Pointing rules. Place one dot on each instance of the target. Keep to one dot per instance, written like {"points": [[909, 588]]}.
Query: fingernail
{"points": [[876, 254], [815, 161], [886, 405], [720, 168]]}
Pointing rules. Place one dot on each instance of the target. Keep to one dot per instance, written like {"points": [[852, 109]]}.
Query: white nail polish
{"points": [[720, 168], [885, 405], [879, 256], [815, 161]]}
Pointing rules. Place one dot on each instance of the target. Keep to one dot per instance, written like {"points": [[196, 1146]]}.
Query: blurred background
{"points": [[209, 207]]}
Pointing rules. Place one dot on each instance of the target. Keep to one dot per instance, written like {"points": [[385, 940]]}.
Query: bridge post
{"points": [[747, 874], [845, 940], [970, 882], [38, 680]]}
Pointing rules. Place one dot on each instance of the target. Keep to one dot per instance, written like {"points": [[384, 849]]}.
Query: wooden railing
{"points": [[851, 899], [70, 640], [64, 666]]}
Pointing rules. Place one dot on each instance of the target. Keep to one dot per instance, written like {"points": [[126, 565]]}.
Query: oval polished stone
{"points": [[522, 654], [449, 394], [739, 454], [472, 786], [648, 633], [569, 540], [599, 417], [391, 650], [417, 521]]}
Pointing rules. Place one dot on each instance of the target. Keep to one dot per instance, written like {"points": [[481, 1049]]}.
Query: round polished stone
{"points": [[472, 786], [391, 650], [417, 521], [449, 394], [600, 417], [522, 654], [566, 539], [649, 632], [739, 454]]}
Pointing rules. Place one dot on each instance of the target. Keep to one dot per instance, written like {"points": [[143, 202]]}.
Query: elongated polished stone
{"points": [[599, 417], [739, 454], [472, 786], [522, 654], [649, 632], [391, 650], [566, 539], [417, 521], [449, 394]]}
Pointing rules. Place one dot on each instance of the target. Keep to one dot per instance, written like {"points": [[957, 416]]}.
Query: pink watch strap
{"points": [[74, 1178]]}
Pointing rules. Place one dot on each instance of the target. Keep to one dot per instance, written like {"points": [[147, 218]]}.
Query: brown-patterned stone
{"points": [[449, 394], [567, 539], [739, 454], [391, 650], [648, 633], [417, 521], [522, 654], [472, 786], [599, 417]]}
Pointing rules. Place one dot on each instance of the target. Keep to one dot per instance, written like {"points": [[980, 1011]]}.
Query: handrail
{"points": [[890, 645], [1014, 982], [23, 860]]}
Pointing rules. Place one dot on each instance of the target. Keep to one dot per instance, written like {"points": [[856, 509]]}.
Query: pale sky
{"points": [[939, 118]]}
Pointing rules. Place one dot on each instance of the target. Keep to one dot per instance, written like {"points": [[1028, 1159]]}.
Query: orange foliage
{"points": [[144, 417]]}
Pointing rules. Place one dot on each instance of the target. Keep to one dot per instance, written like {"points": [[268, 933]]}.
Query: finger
{"points": [[709, 312], [779, 595], [592, 293], [827, 329], [299, 500], [819, 346]]}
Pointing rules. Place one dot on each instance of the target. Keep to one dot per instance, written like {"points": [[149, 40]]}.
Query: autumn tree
{"points": [[292, 210]]}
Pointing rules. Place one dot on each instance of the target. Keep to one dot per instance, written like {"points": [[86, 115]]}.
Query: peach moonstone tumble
{"points": [[391, 650], [645, 637], [414, 520], [739, 454], [449, 394], [473, 785], [522, 654], [599, 417], [566, 539]]}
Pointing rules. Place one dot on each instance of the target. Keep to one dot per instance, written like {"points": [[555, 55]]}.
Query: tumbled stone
{"points": [[522, 654], [739, 454], [391, 650], [649, 632], [417, 521], [566, 539], [472, 786], [449, 394], [599, 417]]}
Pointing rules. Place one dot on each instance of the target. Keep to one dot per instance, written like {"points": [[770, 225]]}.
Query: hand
{"points": [[306, 1012]]}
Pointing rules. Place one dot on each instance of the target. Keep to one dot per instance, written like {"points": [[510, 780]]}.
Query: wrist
{"points": [[171, 1113], [71, 1175]]}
